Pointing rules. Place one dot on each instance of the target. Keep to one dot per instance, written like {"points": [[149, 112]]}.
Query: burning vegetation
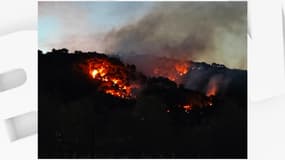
{"points": [[172, 70], [153, 66], [117, 106], [112, 76], [212, 90], [120, 80]]}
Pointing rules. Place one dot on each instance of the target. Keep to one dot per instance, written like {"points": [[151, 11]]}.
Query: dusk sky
{"points": [[201, 31], [59, 21]]}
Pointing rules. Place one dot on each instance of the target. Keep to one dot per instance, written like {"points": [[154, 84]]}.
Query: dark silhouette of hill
{"points": [[79, 119]]}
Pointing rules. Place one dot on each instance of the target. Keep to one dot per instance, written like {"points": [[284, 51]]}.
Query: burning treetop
{"points": [[173, 71], [113, 77]]}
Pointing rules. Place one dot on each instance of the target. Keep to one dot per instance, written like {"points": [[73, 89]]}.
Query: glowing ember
{"points": [[187, 108], [112, 78], [210, 104], [212, 90], [182, 68], [94, 73]]}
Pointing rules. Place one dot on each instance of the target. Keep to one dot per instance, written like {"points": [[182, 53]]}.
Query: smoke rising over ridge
{"points": [[198, 31], [212, 32]]}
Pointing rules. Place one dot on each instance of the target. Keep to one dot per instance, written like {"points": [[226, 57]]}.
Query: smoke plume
{"points": [[202, 31]]}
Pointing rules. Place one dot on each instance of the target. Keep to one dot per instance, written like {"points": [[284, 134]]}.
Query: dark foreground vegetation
{"points": [[78, 120]]}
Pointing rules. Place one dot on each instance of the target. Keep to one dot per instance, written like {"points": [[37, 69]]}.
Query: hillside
{"points": [[94, 105]]}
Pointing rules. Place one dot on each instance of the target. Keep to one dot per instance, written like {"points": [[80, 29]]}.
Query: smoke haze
{"points": [[212, 32], [198, 31]]}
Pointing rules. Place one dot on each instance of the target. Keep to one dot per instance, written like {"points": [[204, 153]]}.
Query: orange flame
{"points": [[112, 78], [173, 70], [182, 68], [212, 91], [94, 73], [187, 108]]}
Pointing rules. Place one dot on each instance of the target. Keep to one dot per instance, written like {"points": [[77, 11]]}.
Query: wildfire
{"points": [[112, 77], [187, 108], [173, 70], [94, 73], [182, 68], [212, 90], [196, 101]]}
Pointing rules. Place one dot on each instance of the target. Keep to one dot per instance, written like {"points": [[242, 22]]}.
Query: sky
{"points": [[59, 21], [199, 31]]}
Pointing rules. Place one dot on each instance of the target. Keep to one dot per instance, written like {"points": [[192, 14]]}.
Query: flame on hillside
{"points": [[111, 77], [173, 70]]}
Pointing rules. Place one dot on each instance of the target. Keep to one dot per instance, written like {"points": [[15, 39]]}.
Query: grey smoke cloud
{"points": [[198, 31], [201, 31]]}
